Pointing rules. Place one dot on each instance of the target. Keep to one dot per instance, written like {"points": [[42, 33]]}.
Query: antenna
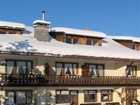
{"points": [[43, 15]]}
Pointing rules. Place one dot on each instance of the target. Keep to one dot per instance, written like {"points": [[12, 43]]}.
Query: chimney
{"points": [[41, 29]]}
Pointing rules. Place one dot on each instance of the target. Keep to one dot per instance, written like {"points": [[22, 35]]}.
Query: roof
{"points": [[130, 38], [27, 43], [79, 32], [14, 25]]}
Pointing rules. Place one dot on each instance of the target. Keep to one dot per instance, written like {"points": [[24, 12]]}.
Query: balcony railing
{"points": [[42, 80]]}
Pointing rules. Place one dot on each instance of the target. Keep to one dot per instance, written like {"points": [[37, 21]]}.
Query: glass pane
{"points": [[73, 92], [75, 69], [90, 96], [10, 97], [100, 70], [92, 92], [10, 66], [64, 92], [68, 69], [129, 70], [29, 97], [75, 40], [92, 70], [29, 67], [63, 97], [68, 40], [21, 67], [59, 69], [89, 42], [20, 97]]}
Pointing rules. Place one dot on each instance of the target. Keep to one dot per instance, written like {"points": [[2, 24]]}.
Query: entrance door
{"points": [[131, 95], [74, 97]]}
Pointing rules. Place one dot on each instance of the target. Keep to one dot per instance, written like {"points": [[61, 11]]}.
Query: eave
{"points": [[14, 53]]}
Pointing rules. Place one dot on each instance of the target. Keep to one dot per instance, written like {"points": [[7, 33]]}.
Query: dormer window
{"points": [[75, 40], [11, 28], [68, 40]]}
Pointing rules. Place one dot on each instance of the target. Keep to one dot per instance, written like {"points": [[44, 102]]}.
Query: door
{"points": [[74, 97], [131, 95], [85, 71]]}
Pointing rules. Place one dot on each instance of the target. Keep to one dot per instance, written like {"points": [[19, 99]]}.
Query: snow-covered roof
{"points": [[25, 43], [79, 32], [134, 39], [14, 25]]}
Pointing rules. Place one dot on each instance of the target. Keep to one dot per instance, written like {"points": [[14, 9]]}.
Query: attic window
{"points": [[11, 27], [10, 31]]}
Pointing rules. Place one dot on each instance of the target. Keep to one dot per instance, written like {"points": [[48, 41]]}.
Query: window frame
{"points": [[133, 72], [15, 64], [109, 95], [88, 93], [60, 96], [15, 95], [63, 67], [97, 68]]}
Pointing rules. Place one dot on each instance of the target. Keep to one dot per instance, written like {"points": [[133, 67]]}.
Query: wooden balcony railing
{"points": [[42, 80]]}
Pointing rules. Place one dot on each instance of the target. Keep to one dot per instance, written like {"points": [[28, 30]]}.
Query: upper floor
{"points": [[47, 71]]}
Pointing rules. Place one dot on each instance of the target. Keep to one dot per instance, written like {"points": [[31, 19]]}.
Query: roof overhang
{"points": [[67, 56]]}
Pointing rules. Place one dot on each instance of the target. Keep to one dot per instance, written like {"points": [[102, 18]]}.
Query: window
{"points": [[18, 67], [75, 40], [90, 41], [106, 95], [68, 39], [137, 46], [65, 96], [62, 96], [131, 71], [90, 95], [66, 68], [20, 97], [95, 70]]}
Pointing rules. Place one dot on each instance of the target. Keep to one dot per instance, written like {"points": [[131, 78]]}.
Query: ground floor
{"points": [[70, 95]]}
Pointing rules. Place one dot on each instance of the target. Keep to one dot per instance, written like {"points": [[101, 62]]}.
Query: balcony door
{"points": [[66, 69], [74, 97], [131, 71], [18, 67], [91, 70], [131, 95]]}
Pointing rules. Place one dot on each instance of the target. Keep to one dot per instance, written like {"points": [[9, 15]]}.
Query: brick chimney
{"points": [[41, 29]]}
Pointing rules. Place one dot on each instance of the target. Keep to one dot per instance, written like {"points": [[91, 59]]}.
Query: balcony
{"points": [[65, 81]]}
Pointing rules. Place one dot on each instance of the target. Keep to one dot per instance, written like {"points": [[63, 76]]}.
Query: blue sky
{"points": [[114, 17]]}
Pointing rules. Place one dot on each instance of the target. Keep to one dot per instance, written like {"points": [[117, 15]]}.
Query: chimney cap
{"points": [[41, 22]]}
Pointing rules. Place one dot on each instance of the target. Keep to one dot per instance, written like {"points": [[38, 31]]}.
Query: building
{"points": [[43, 65]]}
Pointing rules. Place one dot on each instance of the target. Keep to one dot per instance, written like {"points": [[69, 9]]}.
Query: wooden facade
{"points": [[10, 31], [76, 39]]}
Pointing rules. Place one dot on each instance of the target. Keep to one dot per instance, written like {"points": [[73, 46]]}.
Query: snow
{"points": [[79, 32], [41, 22], [27, 43], [110, 48], [14, 25], [134, 39]]}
